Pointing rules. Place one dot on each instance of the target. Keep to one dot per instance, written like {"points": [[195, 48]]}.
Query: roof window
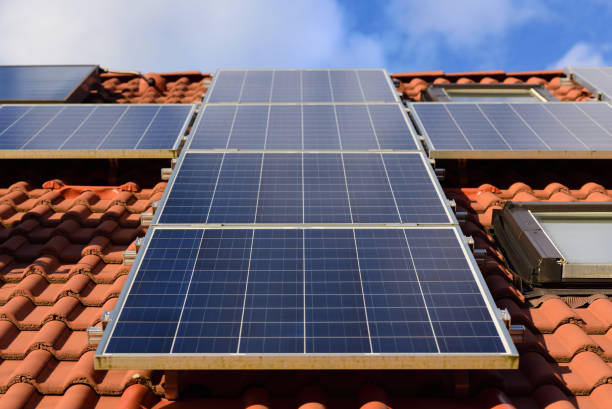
{"points": [[554, 243], [488, 93]]}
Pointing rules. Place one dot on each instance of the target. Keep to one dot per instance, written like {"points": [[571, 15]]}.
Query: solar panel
{"points": [[312, 86], [297, 126], [596, 79], [320, 298], [48, 83], [92, 130], [516, 130], [295, 188]]}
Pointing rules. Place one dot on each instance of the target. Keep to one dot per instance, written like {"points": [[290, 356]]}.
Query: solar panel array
{"points": [[517, 130], [309, 127], [92, 130], [48, 83], [308, 86], [596, 79], [290, 230]]}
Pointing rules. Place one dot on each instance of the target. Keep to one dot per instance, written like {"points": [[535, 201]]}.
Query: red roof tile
{"points": [[165, 88]]}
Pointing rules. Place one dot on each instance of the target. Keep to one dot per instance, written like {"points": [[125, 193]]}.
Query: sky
{"points": [[399, 35]]}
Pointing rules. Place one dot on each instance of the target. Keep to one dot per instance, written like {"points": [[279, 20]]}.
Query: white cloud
{"points": [[464, 23], [583, 54], [162, 35]]}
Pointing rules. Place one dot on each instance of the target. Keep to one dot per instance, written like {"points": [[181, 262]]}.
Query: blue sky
{"points": [[400, 35]]}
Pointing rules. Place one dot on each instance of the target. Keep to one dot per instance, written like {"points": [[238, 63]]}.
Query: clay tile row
{"points": [[50, 376]]}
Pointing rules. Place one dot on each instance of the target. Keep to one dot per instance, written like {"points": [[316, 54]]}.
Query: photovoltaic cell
{"points": [[295, 188], [313, 291], [309, 127], [50, 83], [311, 86], [91, 127], [518, 129]]}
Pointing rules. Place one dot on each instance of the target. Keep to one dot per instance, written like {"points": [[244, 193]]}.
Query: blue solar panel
{"points": [[325, 191], [284, 127], [309, 127], [286, 86], [391, 127], [345, 86], [44, 82], [320, 127], [358, 291], [370, 195], [228, 86], [375, 86], [250, 127], [193, 189], [235, 197], [303, 188], [355, 127], [257, 86], [216, 126], [91, 127], [280, 189], [26, 127], [516, 129], [316, 86], [417, 199]]}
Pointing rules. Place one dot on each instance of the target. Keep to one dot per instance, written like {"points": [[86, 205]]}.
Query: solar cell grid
{"points": [[49, 83], [309, 86], [91, 130], [226, 291], [295, 188], [297, 126], [516, 130]]}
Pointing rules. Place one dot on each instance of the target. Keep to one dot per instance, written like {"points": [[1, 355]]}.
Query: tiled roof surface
{"points": [[61, 266], [166, 88], [566, 356], [61, 254], [413, 84]]}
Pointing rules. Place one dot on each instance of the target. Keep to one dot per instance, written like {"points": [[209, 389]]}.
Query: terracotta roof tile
{"points": [[181, 87]]}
